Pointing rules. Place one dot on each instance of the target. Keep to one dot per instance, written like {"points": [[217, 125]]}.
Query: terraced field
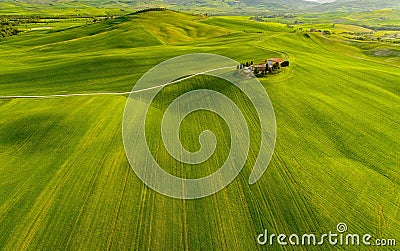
{"points": [[66, 182]]}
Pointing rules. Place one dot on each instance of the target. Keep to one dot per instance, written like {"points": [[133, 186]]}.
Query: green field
{"points": [[66, 182]]}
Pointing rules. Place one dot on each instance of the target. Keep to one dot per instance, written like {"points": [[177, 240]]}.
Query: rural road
{"points": [[108, 93]]}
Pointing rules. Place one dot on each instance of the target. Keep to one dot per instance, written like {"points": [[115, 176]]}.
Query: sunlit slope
{"points": [[174, 27], [66, 182], [121, 32], [243, 24], [135, 30], [109, 55]]}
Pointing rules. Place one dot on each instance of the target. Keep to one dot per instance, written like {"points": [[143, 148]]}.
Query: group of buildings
{"points": [[270, 65]]}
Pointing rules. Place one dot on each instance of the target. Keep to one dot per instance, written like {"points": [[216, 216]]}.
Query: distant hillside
{"points": [[262, 4], [357, 5], [219, 6]]}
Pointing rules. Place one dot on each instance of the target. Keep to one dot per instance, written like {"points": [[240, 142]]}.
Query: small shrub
{"points": [[285, 64]]}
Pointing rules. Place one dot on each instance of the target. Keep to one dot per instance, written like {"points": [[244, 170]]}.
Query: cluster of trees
{"points": [[324, 32], [263, 17], [285, 63], [7, 28], [247, 64], [19, 19], [8, 24]]}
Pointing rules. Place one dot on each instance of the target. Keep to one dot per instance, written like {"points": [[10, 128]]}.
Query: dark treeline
{"points": [[7, 31], [7, 27], [151, 9], [383, 27]]}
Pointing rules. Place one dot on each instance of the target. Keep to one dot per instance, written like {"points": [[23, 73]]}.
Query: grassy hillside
{"points": [[65, 180]]}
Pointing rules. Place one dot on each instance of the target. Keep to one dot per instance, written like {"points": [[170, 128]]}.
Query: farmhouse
{"points": [[270, 65], [259, 67]]}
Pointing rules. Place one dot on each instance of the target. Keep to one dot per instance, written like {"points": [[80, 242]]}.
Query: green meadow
{"points": [[66, 182]]}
